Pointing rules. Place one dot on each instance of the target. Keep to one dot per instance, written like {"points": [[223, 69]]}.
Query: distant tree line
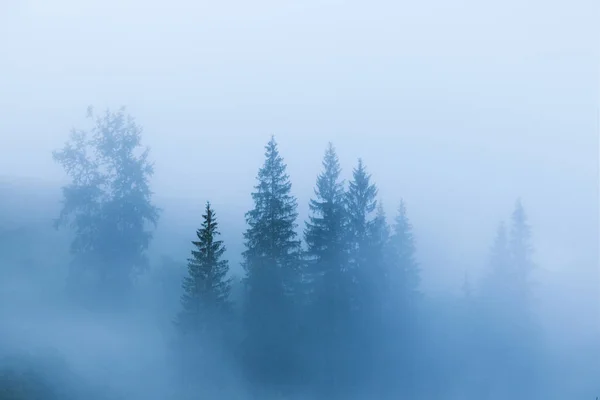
{"points": [[330, 306]]}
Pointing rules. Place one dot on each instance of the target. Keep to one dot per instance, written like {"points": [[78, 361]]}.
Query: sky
{"points": [[458, 107]]}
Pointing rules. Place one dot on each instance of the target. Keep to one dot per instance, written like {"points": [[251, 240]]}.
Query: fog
{"points": [[459, 109]]}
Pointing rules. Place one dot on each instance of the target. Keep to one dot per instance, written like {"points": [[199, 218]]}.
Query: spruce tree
{"points": [[379, 242], [405, 271], [521, 251], [404, 297], [272, 261], [325, 231], [376, 283], [361, 203], [524, 328], [326, 240], [507, 325], [380, 230], [507, 284], [206, 288], [374, 317]]}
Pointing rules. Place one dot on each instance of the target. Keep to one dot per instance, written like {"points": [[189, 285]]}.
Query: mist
{"points": [[462, 112]]}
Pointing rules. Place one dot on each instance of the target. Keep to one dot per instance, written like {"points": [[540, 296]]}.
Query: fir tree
{"points": [[379, 243], [325, 230], [507, 284], [363, 273], [272, 262], [523, 329], [375, 294], [405, 269], [521, 250], [404, 297], [361, 203], [376, 278], [380, 231], [507, 325], [326, 239], [206, 288]]}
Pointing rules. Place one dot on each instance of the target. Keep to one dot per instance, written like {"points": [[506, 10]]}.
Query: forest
{"points": [[330, 307]]}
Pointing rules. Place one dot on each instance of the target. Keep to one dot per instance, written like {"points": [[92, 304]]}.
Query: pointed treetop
{"points": [[272, 149], [273, 161], [402, 223], [402, 208], [360, 174], [360, 169], [274, 206], [520, 230], [206, 287], [521, 248], [519, 217], [324, 229], [404, 250], [329, 184], [361, 188], [380, 225], [331, 160]]}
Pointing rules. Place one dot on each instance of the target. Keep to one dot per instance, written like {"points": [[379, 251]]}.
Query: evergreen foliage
{"points": [[327, 256], [361, 204], [405, 272], [272, 261], [344, 314], [206, 289], [325, 230], [521, 252]]}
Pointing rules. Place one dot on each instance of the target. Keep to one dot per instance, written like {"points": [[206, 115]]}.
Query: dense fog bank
{"points": [[102, 297]]}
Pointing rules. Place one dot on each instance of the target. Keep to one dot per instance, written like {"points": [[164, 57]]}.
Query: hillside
{"points": [[28, 208]]}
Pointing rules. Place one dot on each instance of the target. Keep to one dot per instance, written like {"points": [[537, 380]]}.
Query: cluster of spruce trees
{"points": [[329, 306], [324, 298]]}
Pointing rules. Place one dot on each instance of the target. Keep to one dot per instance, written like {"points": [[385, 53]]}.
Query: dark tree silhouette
{"points": [[206, 289], [272, 261]]}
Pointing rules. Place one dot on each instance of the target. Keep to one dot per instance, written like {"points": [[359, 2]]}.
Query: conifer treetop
{"points": [[206, 287], [361, 200], [271, 235], [324, 228]]}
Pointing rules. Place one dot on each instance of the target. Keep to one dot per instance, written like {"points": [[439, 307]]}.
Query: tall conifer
{"points": [[361, 204], [272, 261], [206, 287], [404, 267]]}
